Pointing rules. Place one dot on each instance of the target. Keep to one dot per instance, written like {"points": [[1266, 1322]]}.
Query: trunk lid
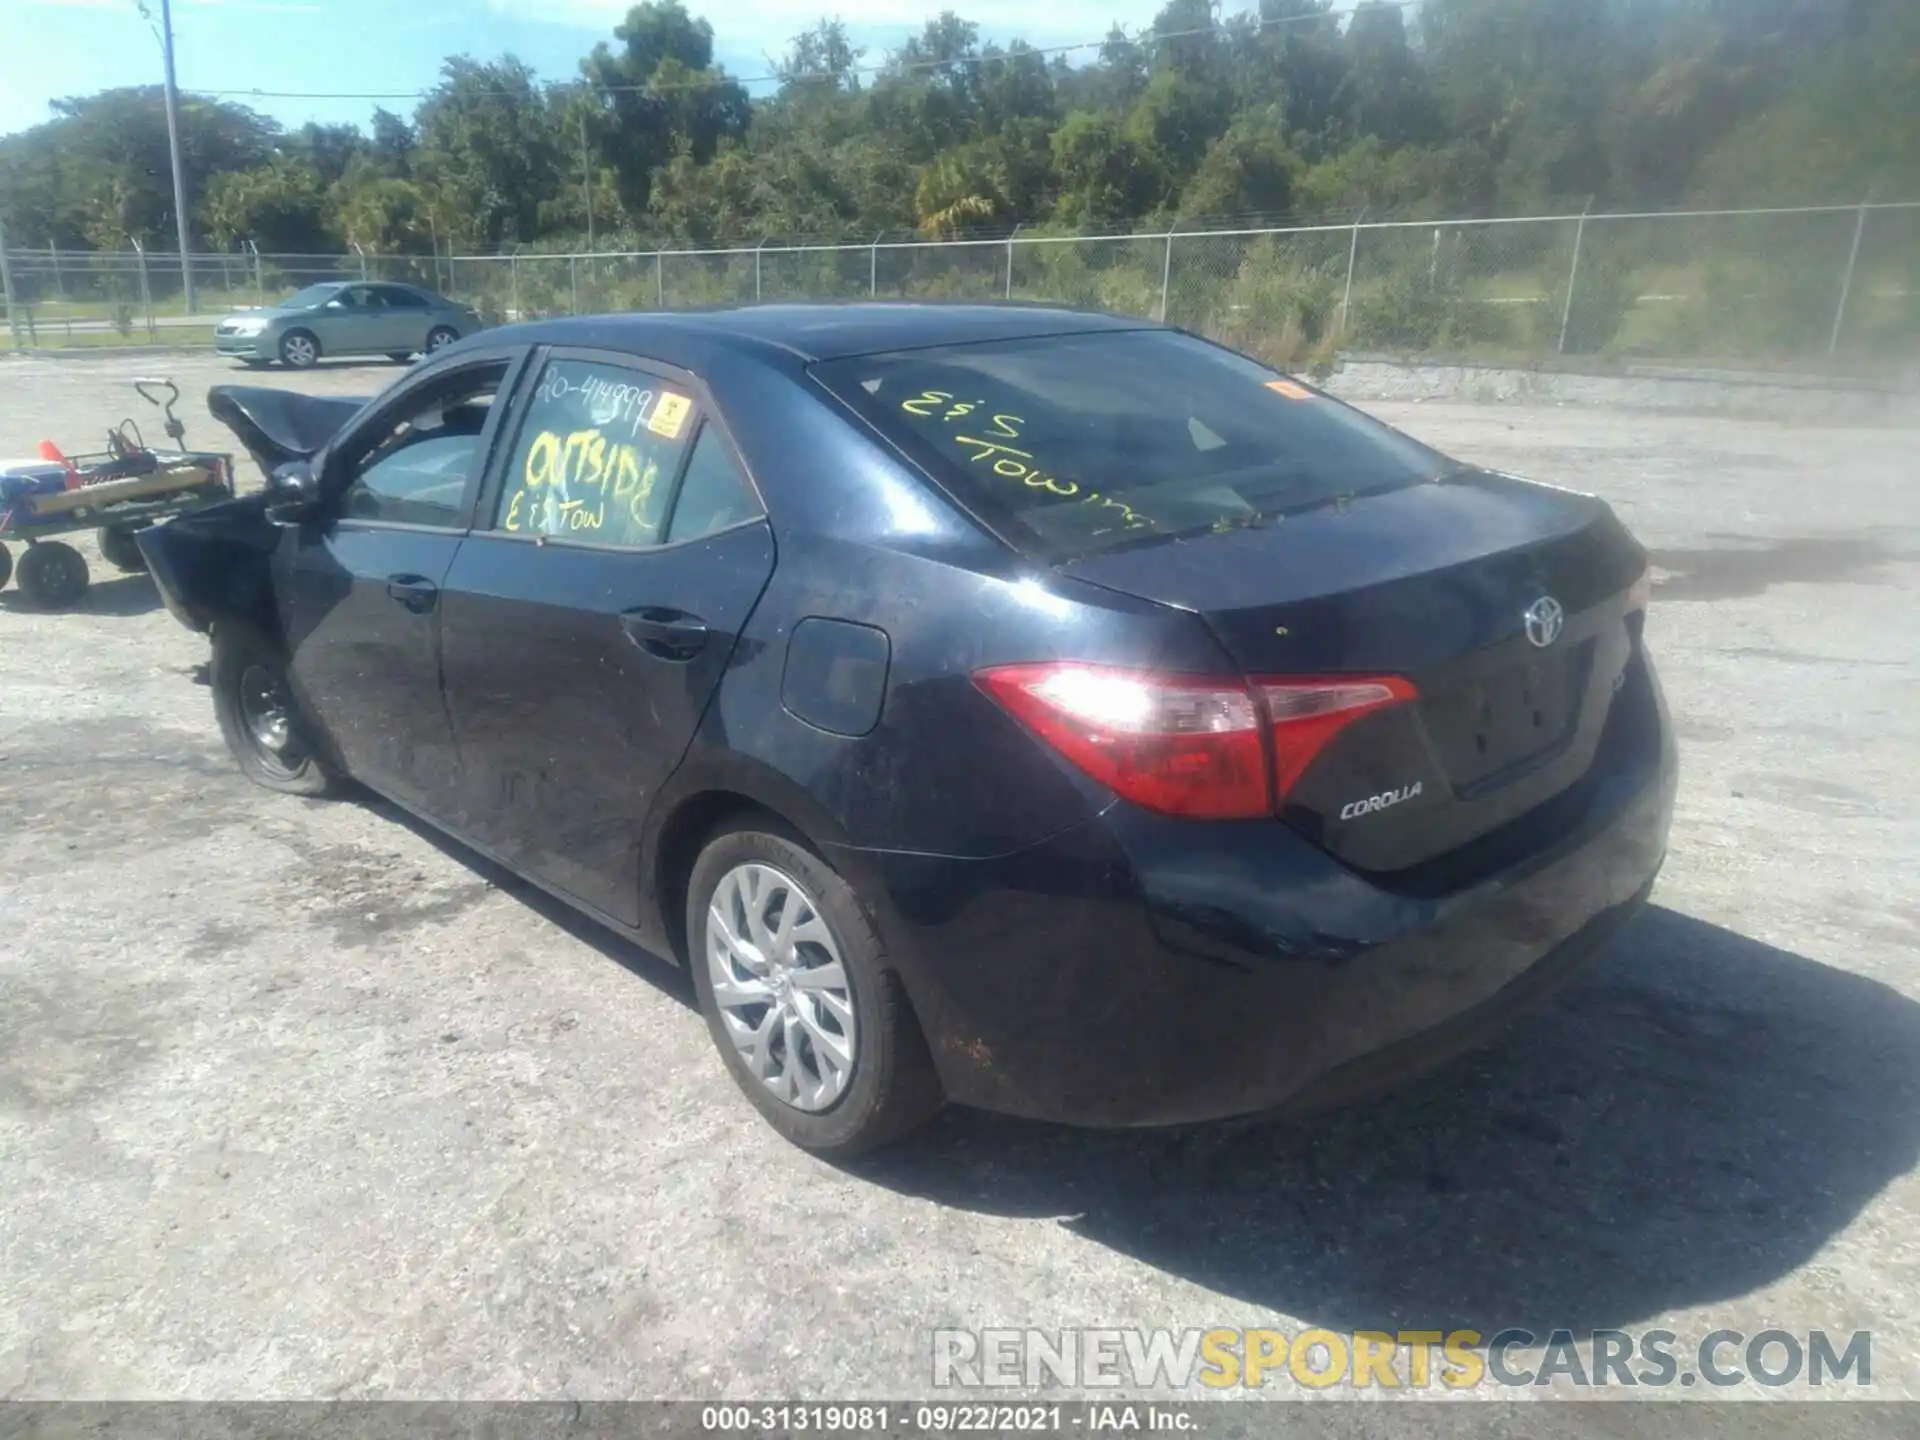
{"points": [[1432, 582]]}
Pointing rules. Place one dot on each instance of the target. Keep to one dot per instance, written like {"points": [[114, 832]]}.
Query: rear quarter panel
{"points": [[860, 537]]}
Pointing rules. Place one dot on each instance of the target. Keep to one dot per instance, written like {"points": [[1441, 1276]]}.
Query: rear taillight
{"points": [[1187, 745], [1176, 744], [1307, 714]]}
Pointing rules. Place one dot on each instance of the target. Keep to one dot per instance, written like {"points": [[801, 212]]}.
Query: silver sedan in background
{"points": [[345, 317]]}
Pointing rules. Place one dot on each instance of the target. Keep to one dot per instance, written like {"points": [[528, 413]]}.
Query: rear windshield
{"points": [[1089, 441]]}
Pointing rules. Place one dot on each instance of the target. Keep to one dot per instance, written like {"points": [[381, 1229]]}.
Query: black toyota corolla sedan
{"points": [[1036, 710]]}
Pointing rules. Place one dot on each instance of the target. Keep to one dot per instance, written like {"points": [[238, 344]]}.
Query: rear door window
{"points": [[714, 494], [1080, 442], [598, 448]]}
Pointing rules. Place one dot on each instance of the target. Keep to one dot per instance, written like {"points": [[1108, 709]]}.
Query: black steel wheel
{"points": [[259, 718]]}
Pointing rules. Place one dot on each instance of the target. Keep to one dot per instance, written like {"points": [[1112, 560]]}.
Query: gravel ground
{"points": [[297, 1100]]}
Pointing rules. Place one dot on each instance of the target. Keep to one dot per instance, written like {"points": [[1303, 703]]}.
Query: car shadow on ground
{"points": [[662, 974], [118, 595], [1690, 1122]]}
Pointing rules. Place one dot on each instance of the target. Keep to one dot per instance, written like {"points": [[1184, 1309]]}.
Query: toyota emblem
{"points": [[1544, 619]]}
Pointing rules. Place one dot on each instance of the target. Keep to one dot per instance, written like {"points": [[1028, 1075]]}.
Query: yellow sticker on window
{"points": [[1289, 389], [669, 415]]}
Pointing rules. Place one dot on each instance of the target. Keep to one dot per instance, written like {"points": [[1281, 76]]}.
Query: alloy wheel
{"points": [[780, 986]]}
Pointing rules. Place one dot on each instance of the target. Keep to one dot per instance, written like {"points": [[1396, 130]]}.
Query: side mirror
{"points": [[293, 493]]}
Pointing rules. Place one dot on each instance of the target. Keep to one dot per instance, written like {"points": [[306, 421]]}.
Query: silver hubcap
{"points": [[439, 339], [780, 986], [299, 350]]}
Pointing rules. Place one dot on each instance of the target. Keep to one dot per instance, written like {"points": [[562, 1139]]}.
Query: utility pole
{"points": [[165, 29]]}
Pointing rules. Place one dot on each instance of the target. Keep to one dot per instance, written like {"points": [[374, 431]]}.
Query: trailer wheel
{"points": [[53, 576], [119, 549], [6, 566]]}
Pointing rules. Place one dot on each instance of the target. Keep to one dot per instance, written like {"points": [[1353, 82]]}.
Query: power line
{"points": [[890, 68]]}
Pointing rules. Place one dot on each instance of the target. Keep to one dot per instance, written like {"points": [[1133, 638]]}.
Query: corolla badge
{"points": [[1544, 618], [1373, 804]]}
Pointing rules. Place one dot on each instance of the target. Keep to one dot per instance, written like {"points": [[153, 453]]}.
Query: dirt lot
{"points": [[299, 1101]]}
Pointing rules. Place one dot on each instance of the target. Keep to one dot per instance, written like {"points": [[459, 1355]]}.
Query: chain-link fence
{"points": [[1829, 285]]}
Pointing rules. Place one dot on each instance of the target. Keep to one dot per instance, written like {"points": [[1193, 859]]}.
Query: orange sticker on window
{"points": [[1289, 389], [669, 415]]}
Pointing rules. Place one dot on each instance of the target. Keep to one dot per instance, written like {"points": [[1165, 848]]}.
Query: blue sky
{"points": [[55, 48]]}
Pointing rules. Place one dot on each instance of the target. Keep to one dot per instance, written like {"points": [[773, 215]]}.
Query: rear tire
{"points": [[299, 350], [259, 718], [120, 550], [53, 576], [6, 566], [888, 1085], [440, 337]]}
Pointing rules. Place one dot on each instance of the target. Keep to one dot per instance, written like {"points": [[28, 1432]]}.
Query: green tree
{"points": [[1176, 118], [1293, 106], [326, 149], [1249, 171], [279, 206], [490, 147], [1385, 93], [1107, 179], [1292, 49], [660, 94], [1529, 83], [392, 143], [98, 172], [384, 214]]}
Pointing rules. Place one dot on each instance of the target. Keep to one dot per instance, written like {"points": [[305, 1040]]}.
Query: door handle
{"points": [[416, 592], [669, 634]]}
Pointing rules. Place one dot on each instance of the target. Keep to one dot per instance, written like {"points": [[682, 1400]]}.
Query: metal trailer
{"points": [[117, 492]]}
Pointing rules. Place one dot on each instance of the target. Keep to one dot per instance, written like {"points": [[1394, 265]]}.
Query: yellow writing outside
{"points": [[569, 482]]}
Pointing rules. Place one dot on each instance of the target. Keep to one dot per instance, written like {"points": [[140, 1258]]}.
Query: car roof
{"points": [[820, 332]]}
